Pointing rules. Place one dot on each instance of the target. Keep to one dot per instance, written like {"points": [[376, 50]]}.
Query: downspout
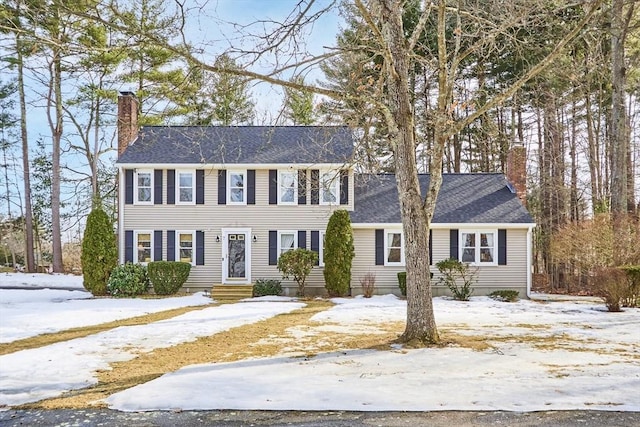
{"points": [[529, 259]]}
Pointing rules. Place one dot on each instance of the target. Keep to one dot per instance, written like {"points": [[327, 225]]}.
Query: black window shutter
{"points": [[273, 187], [315, 187], [128, 246], [502, 247], [430, 247], [273, 247], [344, 187], [453, 244], [379, 247], [128, 186], [199, 247], [157, 245], [171, 245], [302, 239], [157, 187], [199, 187], [171, 186], [251, 187], [222, 187], [302, 187], [315, 244]]}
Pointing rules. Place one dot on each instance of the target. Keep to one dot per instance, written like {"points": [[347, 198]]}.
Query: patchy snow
{"points": [[541, 356]]}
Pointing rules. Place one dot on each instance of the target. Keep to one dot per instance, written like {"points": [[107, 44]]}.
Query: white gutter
{"points": [[121, 185]]}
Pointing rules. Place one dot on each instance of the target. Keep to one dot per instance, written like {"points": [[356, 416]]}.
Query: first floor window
{"points": [[394, 248], [143, 186], [185, 187], [478, 247], [185, 246], [329, 187], [321, 249], [143, 243], [287, 240], [236, 187]]}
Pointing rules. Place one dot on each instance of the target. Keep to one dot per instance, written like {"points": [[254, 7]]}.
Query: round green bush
{"points": [[267, 287], [128, 280], [167, 277], [99, 252]]}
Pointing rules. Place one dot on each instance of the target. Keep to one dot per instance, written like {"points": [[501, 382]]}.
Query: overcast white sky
{"points": [[543, 355]]}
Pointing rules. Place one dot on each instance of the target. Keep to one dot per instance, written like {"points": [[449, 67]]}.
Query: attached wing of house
{"points": [[230, 200]]}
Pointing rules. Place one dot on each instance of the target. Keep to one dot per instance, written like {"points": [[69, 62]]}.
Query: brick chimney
{"points": [[517, 170], [127, 120]]}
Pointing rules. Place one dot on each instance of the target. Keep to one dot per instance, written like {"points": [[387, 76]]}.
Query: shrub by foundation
{"points": [[458, 277], [368, 283], [267, 287], [128, 280], [506, 295], [167, 277]]}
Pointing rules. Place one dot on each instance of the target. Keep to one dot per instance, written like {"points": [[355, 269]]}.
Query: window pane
{"points": [[469, 255], [144, 247], [186, 194], [237, 180], [395, 240], [486, 239], [287, 242], [287, 195], [486, 255], [469, 239], [237, 195], [186, 180], [144, 194], [394, 255], [144, 180]]}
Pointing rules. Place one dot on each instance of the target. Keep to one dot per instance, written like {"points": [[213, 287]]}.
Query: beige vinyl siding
{"points": [[490, 278], [212, 218]]}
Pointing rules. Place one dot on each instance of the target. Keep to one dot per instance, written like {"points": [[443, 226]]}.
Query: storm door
{"points": [[236, 259]]}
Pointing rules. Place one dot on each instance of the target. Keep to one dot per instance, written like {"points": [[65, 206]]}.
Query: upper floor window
{"points": [[288, 187], [478, 247], [185, 246], [144, 186], [185, 187], [144, 245], [236, 188], [287, 241], [329, 187], [393, 247]]}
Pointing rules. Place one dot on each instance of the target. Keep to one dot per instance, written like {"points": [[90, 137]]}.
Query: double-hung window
{"points": [[478, 247], [185, 246], [144, 186], [329, 187], [393, 247], [185, 187], [288, 187], [236, 188], [287, 241], [144, 244]]}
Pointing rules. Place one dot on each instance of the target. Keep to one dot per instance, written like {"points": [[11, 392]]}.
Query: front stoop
{"points": [[231, 292]]}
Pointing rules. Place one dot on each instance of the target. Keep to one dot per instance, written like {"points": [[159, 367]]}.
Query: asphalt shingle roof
{"points": [[463, 198], [240, 144]]}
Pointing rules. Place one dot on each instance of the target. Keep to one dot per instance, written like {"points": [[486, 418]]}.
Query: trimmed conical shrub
{"points": [[99, 252], [338, 254]]}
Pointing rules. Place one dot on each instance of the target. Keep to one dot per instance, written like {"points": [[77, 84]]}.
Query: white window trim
{"points": [[295, 239], [193, 186], [335, 183], [321, 236], [136, 201], [295, 189], [237, 172], [477, 232], [136, 233], [386, 247], [193, 243]]}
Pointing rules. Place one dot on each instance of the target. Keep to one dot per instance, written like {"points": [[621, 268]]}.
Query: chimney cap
{"points": [[127, 93]]}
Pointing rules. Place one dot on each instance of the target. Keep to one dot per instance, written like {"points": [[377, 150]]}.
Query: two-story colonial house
{"points": [[230, 200]]}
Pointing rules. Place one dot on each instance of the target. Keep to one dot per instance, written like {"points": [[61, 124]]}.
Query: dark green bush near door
{"points": [[167, 277]]}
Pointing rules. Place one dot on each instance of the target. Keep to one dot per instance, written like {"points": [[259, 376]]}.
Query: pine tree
{"points": [[99, 252], [338, 254]]}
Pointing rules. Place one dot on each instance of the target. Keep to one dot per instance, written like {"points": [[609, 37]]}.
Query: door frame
{"points": [[247, 256]]}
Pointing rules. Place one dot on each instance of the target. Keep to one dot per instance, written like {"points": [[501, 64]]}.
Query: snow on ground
{"points": [[542, 356], [22, 309]]}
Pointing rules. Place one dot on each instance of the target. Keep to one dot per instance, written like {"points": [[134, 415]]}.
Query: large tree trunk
{"points": [[421, 325], [26, 176]]}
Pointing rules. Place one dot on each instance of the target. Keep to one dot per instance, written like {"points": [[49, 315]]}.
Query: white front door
{"points": [[236, 255]]}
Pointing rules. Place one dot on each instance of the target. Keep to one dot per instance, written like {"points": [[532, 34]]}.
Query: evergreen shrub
{"points": [[458, 277], [267, 287], [99, 252], [506, 295], [128, 280], [402, 283], [167, 277], [297, 264], [338, 254]]}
